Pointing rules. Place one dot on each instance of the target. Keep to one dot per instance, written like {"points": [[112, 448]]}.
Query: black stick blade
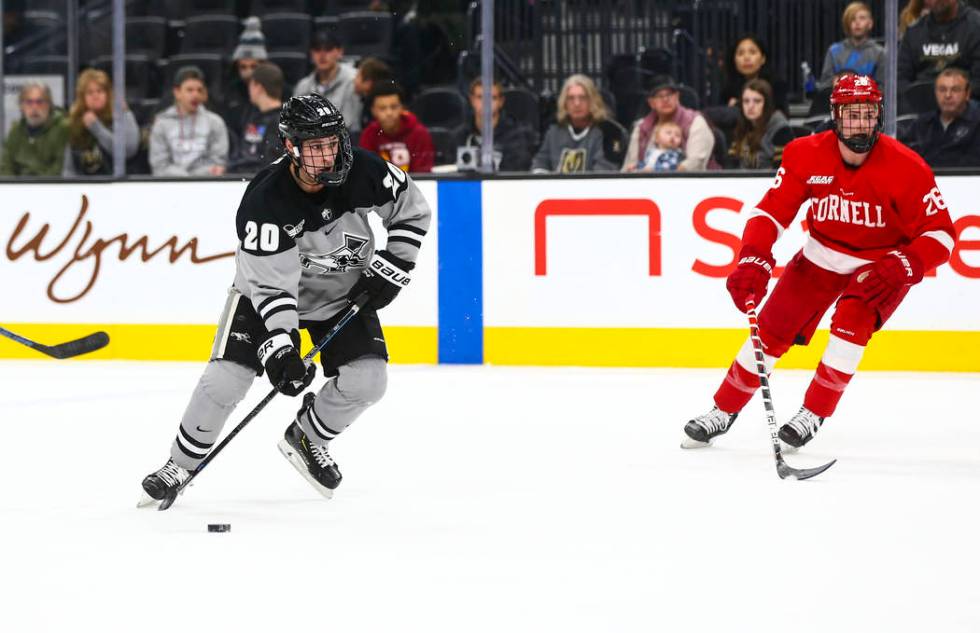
{"points": [[167, 502], [788, 472], [84, 345]]}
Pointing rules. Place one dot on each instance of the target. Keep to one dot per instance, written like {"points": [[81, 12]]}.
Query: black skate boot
{"points": [[800, 429], [164, 483], [704, 428], [312, 461]]}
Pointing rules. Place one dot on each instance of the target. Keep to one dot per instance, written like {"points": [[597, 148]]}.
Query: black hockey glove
{"points": [[279, 354], [384, 276]]}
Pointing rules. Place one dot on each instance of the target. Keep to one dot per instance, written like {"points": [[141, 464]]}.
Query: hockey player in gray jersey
{"points": [[305, 251]]}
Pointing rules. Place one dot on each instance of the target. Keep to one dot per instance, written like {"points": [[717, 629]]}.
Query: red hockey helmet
{"points": [[855, 130]]}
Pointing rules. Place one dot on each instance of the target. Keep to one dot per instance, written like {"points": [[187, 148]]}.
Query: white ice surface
{"points": [[492, 499]]}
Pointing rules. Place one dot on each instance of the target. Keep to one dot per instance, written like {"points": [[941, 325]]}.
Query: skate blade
{"points": [[146, 501], [787, 448], [688, 443], [300, 466]]}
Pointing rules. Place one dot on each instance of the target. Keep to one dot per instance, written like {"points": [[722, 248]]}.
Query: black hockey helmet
{"points": [[310, 117]]}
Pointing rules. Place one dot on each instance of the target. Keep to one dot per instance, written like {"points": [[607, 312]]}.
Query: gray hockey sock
{"points": [[358, 385], [221, 387]]}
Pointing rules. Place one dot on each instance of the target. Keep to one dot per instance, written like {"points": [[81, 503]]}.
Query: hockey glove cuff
{"points": [[882, 281], [750, 279], [384, 277], [279, 354]]}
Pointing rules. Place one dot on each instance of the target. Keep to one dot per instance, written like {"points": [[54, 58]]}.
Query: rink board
{"points": [[605, 272]]}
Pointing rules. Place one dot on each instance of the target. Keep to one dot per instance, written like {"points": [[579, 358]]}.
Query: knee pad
{"points": [[363, 381], [854, 321], [226, 382]]}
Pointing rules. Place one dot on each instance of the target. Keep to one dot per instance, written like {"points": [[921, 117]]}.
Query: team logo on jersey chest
{"points": [[344, 259], [327, 214]]}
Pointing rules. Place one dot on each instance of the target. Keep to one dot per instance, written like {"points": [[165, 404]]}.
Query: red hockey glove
{"points": [[750, 279], [881, 282]]}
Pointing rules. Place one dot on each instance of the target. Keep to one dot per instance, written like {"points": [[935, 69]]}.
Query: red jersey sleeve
{"points": [[789, 190], [924, 215]]}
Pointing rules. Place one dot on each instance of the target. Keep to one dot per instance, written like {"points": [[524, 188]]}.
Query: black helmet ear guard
{"points": [[309, 117]]}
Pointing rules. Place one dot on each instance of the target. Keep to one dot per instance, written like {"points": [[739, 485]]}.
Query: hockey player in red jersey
{"points": [[876, 221]]}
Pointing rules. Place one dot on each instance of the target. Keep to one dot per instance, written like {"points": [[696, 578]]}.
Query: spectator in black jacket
{"points": [[950, 135], [948, 36], [749, 59], [259, 142], [513, 141]]}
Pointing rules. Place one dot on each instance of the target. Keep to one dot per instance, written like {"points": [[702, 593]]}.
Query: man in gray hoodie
{"points": [[187, 139], [331, 79]]}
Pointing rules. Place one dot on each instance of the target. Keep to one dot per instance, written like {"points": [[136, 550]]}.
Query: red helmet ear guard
{"points": [[852, 89]]}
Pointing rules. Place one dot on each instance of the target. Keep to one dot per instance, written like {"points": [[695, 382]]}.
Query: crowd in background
{"points": [[746, 128]]}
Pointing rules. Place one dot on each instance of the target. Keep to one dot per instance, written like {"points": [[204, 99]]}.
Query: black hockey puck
{"points": [[219, 527]]}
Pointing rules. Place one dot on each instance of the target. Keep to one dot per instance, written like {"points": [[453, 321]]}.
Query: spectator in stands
{"points": [[512, 141], [396, 134], [90, 140], [330, 78], [259, 142], [758, 123], [665, 105], [857, 51], [370, 70], [950, 135], [576, 143], [187, 139], [36, 143], [666, 152], [249, 52], [948, 35], [910, 15], [749, 59]]}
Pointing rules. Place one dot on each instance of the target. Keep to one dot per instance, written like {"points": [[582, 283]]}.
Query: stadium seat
{"points": [[634, 106], [142, 75], [615, 141], [366, 33], [294, 65], [609, 99], [524, 106], [903, 127], [262, 8], [689, 97], [144, 110], [213, 66], [146, 35], [444, 142], [720, 151], [45, 65], [336, 7], [215, 34], [287, 32], [783, 136], [205, 7], [800, 130], [820, 103], [50, 26], [326, 23], [918, 98], [440, 107]]}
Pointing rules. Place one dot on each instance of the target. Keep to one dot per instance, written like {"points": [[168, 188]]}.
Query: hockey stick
{"points": [[84, 345], [355, 307], [782, 468]]}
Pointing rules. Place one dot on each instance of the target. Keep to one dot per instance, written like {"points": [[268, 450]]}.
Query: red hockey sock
{"points": [[737, 388], [826, 390]]}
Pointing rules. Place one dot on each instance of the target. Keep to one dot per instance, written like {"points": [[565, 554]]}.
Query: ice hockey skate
{"points": [[162, 484], [800, 429], [700, 431], [312, 461]]}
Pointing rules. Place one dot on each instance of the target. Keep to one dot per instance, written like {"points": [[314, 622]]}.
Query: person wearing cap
{"points": [[247, 55], [259, 142], [187, 139], [331, 79], [664, 101]]}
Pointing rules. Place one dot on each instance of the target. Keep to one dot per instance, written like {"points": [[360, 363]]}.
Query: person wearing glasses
{"points": [[36, 143]]}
